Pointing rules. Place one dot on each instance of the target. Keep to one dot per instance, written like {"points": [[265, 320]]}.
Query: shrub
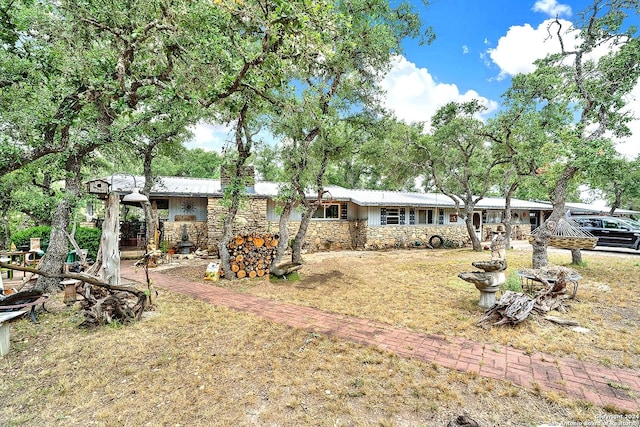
{"points": [[21, 238], [513, 283], [87, 238]]}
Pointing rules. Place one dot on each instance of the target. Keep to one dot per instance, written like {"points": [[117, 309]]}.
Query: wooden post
{"points": [[70, 294], [109, 241]]}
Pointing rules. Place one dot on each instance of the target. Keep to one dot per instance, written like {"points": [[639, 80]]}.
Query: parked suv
{"points": [[611, 231]]}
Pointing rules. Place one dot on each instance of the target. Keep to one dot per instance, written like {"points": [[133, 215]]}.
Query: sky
{"points": [[479, 46]]}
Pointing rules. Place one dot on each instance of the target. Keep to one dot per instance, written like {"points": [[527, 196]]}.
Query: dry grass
{"points": [[190, 363], [420, 290]]}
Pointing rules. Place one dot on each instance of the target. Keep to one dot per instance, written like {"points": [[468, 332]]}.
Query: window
{"points": [[440, 216], [328, 211], [425, 216], [393, 216], [610, 224]]}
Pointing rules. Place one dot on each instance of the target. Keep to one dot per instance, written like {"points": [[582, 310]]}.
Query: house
{"points": [[347, 219]]}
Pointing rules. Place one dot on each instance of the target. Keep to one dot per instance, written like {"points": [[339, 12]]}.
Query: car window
{"points": [[610, 224], [588, 222]]}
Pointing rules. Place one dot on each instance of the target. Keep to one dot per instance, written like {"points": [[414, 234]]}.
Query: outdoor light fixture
{"points": [[135, 196]]}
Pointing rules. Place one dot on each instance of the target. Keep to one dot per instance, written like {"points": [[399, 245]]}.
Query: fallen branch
{"points": [[514, 307], [100, 307], [561, 321]]}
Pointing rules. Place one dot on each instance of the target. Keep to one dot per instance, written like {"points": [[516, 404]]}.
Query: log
{"points": [[561, 321], [252, 254], [514, 308]]}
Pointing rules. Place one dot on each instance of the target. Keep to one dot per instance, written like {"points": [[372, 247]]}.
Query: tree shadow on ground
{"points": [[314, 280]]}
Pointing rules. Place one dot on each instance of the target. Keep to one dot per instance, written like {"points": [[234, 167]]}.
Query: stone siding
{"points": [[251, 218], [333, 234], [196, 230], [518, 231], [325, 235], [388, 236]]}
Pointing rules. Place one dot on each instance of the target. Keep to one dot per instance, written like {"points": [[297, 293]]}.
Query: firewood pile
{"points": [[514, 307], [251, 254]]}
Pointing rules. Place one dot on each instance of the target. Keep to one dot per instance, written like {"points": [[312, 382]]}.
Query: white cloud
{"points": [[522, 45], [630, 147], [209, 137], [414, 95], [465, 49], [552, 8]]}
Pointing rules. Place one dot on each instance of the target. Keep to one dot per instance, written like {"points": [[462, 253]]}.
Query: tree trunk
{"points": [[149, 220], [56, 256], [475, 241], [296, 249], [576, 257], [227, 232], [507, 220], [109, 241], [540, 257], [283, 232]]}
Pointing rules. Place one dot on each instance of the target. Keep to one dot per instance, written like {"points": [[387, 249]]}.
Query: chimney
{"points": [[247, 173]]}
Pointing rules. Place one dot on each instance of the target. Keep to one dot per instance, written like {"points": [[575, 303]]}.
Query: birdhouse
{"points": [[98, 186]]}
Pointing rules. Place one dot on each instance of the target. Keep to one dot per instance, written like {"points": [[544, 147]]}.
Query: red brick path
{"points": [[589, 381]]}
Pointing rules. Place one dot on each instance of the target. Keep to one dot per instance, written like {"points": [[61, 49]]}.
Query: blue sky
{"points": [[479, 45]]}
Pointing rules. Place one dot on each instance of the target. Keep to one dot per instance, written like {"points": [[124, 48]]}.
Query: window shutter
{"points": [[343, 210], [383, 216]]}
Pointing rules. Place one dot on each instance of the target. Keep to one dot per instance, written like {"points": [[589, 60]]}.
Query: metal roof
{"points": [[206, 187]]}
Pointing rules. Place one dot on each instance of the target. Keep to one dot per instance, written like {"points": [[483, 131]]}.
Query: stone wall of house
{"points": [[251, 218], [196, 232], [387, 236], [326, 235]]}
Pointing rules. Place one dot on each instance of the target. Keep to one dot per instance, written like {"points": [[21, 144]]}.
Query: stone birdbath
{"points": [[492, 277], [488, 281]]}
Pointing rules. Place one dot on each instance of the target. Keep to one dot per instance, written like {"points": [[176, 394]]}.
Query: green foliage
{"points": [[87, 238], [513, 283], [21, 238]]}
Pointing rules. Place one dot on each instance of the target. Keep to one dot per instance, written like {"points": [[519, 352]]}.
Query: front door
{"points": [[477, 224]]}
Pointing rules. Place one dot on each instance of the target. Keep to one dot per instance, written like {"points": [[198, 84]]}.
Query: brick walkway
{"points": [[597, 384]]}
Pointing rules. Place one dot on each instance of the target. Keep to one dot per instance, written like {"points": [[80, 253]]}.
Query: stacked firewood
{"points": [[251, 254]]}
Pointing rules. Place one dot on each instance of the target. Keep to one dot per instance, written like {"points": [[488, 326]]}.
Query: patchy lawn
{"points": [[189, 363], [420, 290]]}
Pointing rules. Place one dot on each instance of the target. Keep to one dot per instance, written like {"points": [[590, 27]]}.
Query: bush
{"points": [[87, 238], [513, 283], [21, 238]]}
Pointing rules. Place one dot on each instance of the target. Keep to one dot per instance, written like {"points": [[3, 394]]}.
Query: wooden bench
{"points": [[4, 330]]}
